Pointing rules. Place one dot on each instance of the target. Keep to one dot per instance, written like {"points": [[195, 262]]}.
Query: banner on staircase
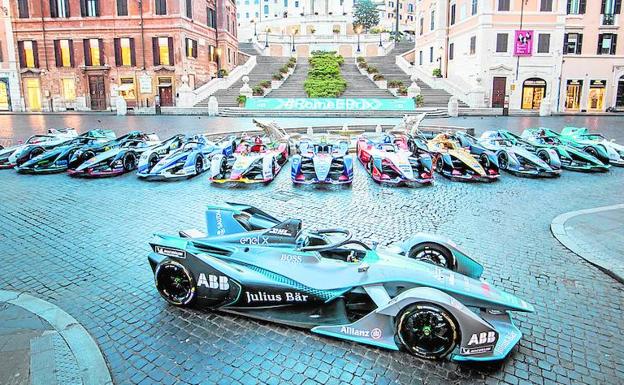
{"points": [[330, 104]]}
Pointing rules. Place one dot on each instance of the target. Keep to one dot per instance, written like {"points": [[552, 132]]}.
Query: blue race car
{"points": [[403, 297], [323, 162], [182, 158]]}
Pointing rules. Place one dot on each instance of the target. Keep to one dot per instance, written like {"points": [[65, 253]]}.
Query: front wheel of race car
{"points": [[129, 162], [543, 155], [433, 253], [591, 151], [439, 164], [174, 283], [427, 331], [503, 161]]}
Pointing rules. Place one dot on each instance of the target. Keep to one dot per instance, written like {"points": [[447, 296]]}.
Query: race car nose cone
{"points": [[322, 166]]}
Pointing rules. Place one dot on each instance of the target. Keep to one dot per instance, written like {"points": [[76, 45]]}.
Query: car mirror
{"points": [[363, 267]]}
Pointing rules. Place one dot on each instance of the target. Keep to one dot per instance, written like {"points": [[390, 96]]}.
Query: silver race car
{"points": [[322, 161]]}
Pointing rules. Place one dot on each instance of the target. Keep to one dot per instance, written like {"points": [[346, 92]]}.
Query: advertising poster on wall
{"points": [[523, 45]]}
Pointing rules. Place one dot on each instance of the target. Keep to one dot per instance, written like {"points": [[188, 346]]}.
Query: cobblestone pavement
{"points": [[83, 245]]}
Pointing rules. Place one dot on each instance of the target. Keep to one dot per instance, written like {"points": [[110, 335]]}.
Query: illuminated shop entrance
{"points": [[596, 95], [619, 102], [5, 102], [533, 91], [573, 95]]}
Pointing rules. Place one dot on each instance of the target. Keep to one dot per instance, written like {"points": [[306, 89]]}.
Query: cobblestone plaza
{"points": [[82, 245]]}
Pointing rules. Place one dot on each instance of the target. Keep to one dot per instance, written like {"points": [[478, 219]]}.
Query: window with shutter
{"points": [[432, 22], [123, 52], [452, 14], [89, 8], [503, 5], [430, 54], [546, 5], [475, 7], [420, 58], [22, 9], [451, 51], [161, 7], [473, 45], [122, 7], [607, 44], [543, 43], [501, 42], [189, 9], [63, 53], [59, 8], [28, 53]]}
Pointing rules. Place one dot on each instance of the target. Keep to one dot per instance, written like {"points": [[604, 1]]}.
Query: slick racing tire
{"points": [[175, 283], [427, 331], [543, 155], [439, 164], [433, 253], [591, 151], [35, 152], [152, 161], [199, 165], [503, 161], [129, 162], [485, 161]]}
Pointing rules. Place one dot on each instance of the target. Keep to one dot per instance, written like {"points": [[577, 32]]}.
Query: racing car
{"points": [[252, 264], [457, 163], [607, 151], [116, 158], [322, 161], [90, 150], [54, 137], [513, 157], [182, 158], [571, 158], [395, 158], [57, 159], [257, 159]]}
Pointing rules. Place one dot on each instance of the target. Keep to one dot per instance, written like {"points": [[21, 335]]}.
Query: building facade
{"points": [[593, 57], [10, 96], [82, 54], [406, 15], [500, 52]]}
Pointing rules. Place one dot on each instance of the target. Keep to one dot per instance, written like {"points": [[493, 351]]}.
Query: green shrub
{"points": [[241, 99], [395, 84], [292, 59], [437, 72], [378, 77], [363, 65], [324, 88], [372, 70], [265, 84], [223, 73], [419, 100], [258, 91], [278, 76], [360, 59], [403, 91], [324, 78], [290, 64], [283, 70]]}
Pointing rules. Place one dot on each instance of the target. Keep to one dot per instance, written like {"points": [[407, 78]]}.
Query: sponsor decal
{"points": [[219, 223], [289, 258], [283, 232], [219, 282], [476, 350], [261, 296], [505, 342], [482, 338], [374, 333], [174, 253], [259, 240]]}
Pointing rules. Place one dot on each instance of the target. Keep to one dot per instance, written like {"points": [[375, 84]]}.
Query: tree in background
{"points": [[365, 14]]}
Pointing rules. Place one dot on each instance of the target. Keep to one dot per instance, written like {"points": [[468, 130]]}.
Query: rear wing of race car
{"points": [[233, 218]]}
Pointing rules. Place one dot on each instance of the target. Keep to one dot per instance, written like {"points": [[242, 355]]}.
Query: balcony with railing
{"points": [[609, 20]]}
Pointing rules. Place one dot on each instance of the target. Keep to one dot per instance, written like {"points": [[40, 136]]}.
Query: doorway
{"points": [[33, 91], [499, 87], [5, 100], [573, 95], [165, 92], [619, 101], [97, 92], [533, 91]]}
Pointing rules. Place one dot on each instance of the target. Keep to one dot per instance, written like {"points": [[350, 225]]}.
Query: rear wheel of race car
{"points": [[152, 161], [199, 165], [427, 331], [433, 253], [503, 161], [129, 162], [591, 151], [36, 152], [439, 165], [174, 283], [485, 161]]}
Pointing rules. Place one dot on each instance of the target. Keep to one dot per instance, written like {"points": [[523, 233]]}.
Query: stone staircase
{"points": [[360, 86], [266, 67], [387, 67], [293, 86]]}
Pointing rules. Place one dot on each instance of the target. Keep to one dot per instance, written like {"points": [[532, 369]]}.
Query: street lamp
{"points": [[266, 38], [255, 29], [358, 31]]}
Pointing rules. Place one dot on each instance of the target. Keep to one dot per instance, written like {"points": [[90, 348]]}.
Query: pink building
{"points": [[592, 76], [10, 99]]}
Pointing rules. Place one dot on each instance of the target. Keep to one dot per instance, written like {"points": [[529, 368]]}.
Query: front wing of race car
{"points": [[417, 172], [529, 165], [334, 170], [577, 160], [260, 170], [456, 168]]}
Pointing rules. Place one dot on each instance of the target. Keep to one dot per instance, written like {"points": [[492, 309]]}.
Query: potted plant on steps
{"points": [[277, 80], [241, 99], [223, 73], [380, 81], [419, 100]]}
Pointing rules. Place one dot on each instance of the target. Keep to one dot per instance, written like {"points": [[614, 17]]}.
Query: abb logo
{"points": [[213, 282], [482, 338]]}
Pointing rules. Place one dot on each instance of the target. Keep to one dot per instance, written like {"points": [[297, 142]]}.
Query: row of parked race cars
{"points": [[399, 156]]}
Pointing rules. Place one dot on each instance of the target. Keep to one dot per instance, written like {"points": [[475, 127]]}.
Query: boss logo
{"points": [[289, 258], [218, 282], [482, 338]]}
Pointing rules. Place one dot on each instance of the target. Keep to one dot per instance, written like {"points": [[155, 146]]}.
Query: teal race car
{"points": [[572, 158], [423, 296], [595, 144]]}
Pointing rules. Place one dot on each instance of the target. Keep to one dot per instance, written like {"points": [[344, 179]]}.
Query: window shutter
{"points": [[618, 7], [71, 53], [35, 54], [118, 61], [97, 7], [565, 43], [600, 37], [87, 52], [57, 53], [67, 9], [579, 44], [170, 42], [569, 7], [83, 8], [582, 7], [53, 10], [1, 56], [101, 46], [613, 43], [20, 52], [195, 48], [132, 53], [155, 51], [603, 6]]}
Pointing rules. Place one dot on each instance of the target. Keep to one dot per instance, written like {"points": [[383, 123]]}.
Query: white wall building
{"points": [[10, 95]]}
